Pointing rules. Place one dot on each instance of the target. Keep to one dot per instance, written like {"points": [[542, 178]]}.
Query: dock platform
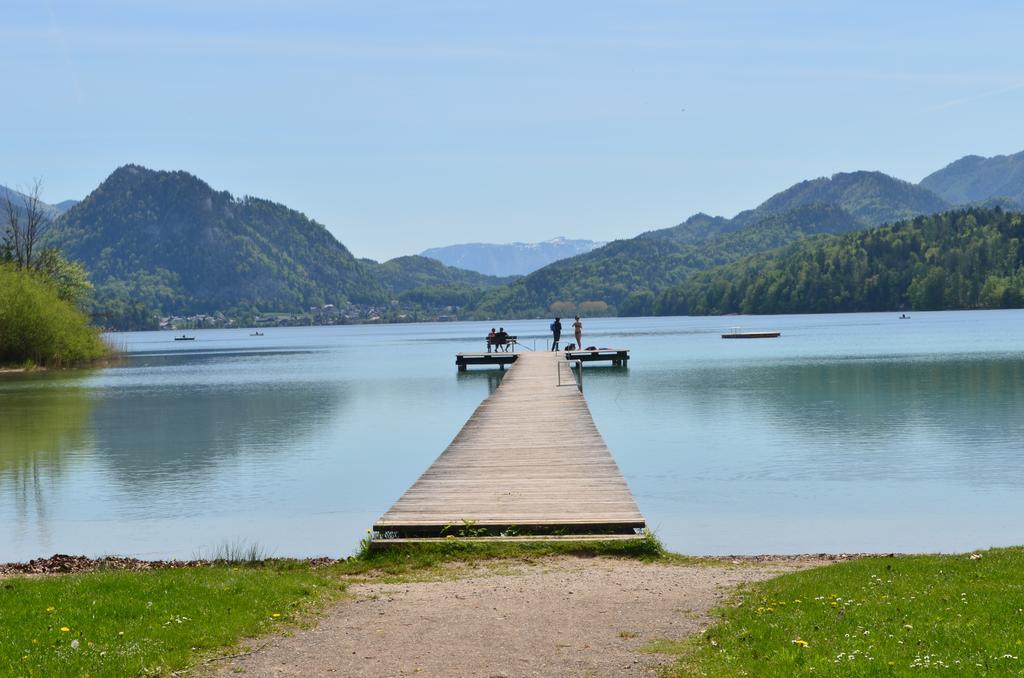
{"points": [[619, 357], [528, 463], [499, 358]]}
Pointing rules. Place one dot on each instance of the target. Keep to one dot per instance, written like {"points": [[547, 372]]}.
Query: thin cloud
{"points": [[952, 103]]}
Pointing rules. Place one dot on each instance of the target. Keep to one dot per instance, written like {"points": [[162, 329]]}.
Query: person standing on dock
{"points": [[577, 328], [556, 333]]}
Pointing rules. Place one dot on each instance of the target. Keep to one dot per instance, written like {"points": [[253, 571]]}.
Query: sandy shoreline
{"points": [[60, 563]]}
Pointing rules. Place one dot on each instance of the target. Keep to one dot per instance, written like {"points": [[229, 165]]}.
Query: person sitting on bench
{"points": [[492, 339], [501, 339]]}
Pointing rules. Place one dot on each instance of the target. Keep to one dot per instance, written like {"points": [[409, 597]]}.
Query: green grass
{"points": [[871, 617], [151, 622], [122, 623], [404, 558]]}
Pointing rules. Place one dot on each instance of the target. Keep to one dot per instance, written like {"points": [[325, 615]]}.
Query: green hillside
{"points": [[624, 277], [973, 179], [167, 242], [872, 197], [170, 241], [406, 273], [961, 259], [628, 274]]}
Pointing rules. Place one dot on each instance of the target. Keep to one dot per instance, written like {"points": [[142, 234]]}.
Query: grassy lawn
{"points": [[111, 623], [122, 623], [959, 614]]}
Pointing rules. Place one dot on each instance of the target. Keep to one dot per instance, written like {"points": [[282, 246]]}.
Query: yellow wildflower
{"points": [[51, 609], [798, 642], [64, 629], [276, 615]]}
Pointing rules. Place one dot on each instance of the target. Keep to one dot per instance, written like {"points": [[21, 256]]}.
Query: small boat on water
{"points": [[736, 333], [184, 338], [904, 316], [255, 334]]}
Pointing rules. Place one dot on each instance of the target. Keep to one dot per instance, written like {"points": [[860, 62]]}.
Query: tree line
{"points": [[964, 259]]}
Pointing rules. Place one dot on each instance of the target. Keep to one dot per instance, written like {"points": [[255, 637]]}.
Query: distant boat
{"points": [[256, 334], [737, 334], [904, 317], [184, 338]]}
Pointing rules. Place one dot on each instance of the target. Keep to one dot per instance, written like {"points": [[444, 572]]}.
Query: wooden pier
{"points": [[528, 463]]}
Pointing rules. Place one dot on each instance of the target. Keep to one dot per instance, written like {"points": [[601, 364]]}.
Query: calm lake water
{"points": [[856, 432]]}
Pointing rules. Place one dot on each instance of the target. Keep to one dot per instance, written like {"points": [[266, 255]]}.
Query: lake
{"points": [[855, 432]]}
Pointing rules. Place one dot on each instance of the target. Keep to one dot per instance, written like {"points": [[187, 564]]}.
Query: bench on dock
{"points": [[618, 356], [506, 343]]}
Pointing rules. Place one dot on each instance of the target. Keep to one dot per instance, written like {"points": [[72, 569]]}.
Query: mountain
{"points": [[406, 273], [64, 205], [872, 197], [625, 276], [512, 259], [168, 242], [961, 259], [181, 246], [20, 200], [974, 179]]}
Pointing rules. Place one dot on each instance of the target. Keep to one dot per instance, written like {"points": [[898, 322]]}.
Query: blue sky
{"points": [[405, 125]]}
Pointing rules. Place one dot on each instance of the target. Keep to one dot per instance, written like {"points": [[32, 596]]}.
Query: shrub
{"points": [[37, 326]]}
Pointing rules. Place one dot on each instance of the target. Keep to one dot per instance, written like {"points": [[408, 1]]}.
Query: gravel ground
{"points": [[555, 617]]}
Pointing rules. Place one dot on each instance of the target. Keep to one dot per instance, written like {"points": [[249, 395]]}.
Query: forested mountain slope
{"points": [[624, 276], [961, 259], [976, 179], [627, 274], [166, 242], [405, 273]]}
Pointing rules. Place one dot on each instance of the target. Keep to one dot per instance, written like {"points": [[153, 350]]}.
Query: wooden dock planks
{"points": [[529, 460]]}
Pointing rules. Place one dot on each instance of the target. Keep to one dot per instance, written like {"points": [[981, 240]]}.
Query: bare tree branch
{"points": [[12, 230], [35, 221], [27, 221]]}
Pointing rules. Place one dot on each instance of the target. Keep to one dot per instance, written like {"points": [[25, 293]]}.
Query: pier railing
{"points": [[577, 376]]}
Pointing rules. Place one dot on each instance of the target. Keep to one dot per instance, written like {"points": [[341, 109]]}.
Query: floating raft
{"points": [[529, 463], [751, 335]]}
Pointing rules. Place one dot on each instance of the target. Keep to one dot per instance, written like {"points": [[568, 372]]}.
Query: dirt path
{"points": [[557, 617]]}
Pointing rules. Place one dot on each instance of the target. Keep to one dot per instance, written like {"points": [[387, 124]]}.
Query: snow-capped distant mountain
{"points": [[517, 258]]}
